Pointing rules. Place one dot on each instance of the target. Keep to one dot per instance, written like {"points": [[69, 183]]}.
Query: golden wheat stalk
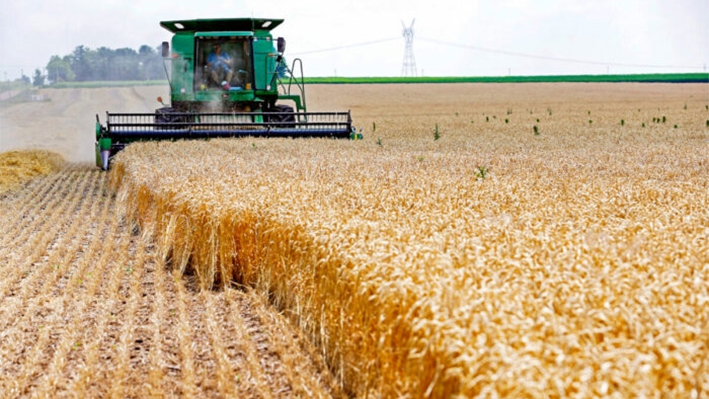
{"points": [[493, 262]]}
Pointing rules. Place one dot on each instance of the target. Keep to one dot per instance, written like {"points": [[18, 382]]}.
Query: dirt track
{"points": [[66, 123]]}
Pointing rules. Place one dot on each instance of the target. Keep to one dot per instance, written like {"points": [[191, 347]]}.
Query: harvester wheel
{"points": [[169, 118], [284, 113]]}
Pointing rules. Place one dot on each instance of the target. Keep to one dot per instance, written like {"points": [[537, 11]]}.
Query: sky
{"points": [[451, 37]]}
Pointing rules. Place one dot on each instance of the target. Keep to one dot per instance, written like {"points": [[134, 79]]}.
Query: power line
{"points": [[347, 46], [503, 52], [560, 59]]}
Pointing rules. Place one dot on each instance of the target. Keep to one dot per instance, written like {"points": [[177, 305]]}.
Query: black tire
{"points": [[169, 118], [282, 113]]}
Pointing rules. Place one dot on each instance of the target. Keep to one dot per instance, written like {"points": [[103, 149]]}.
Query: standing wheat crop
{"points": [[575, 265]]}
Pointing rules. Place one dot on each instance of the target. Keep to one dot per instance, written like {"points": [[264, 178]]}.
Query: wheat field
{"points": [[482, 241]]}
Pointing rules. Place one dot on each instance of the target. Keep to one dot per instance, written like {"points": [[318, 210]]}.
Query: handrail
{"points": [[301, 85], [293, 80]]}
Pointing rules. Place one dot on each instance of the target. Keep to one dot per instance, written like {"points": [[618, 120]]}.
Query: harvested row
{"points": [[87, 310], [488, 263]]}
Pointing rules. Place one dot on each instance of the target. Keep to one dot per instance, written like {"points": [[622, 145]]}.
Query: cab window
{"points": [[220, 60]]}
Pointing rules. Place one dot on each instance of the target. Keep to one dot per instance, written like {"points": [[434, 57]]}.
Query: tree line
{"points": [[103, 64]]}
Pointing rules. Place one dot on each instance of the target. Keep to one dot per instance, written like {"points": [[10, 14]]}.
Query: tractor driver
{"points": [[220, 64]]}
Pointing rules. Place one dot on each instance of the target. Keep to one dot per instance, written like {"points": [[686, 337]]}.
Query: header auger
{"points": [[227, 78]]}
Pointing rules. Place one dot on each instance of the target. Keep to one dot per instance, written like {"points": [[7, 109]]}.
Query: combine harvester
{"points": [[226, 77]]}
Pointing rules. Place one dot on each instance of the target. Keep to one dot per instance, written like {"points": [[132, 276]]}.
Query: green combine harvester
{"points": [[228, 78]]}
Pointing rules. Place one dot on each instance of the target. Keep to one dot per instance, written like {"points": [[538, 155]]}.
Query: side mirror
{"points": [[281, 45], [165, 49]]}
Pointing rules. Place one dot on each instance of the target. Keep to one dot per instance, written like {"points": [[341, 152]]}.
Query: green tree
{"points": [[86, 64], [151, 63], [125, 64], [102, 64], [79, 64], [59, 70], [38, 78]]}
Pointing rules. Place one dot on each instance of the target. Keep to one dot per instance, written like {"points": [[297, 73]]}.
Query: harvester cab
{"points": [[227, 78]]}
